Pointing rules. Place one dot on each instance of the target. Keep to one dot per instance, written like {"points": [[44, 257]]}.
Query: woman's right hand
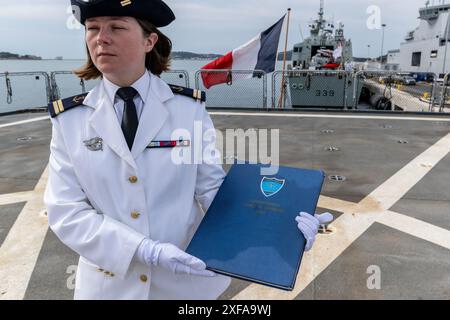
{"points": [[170, 257]]}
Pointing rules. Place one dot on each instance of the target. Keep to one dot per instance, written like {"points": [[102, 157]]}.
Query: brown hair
{"points": [[157, 60]]}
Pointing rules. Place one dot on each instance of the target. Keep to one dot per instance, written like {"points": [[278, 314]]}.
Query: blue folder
{"points": [[250, 232]]}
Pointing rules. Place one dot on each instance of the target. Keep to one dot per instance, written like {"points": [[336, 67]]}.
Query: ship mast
{"points": [[321, 12], [320, 22]]}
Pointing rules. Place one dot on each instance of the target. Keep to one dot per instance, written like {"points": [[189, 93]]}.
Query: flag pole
{"points": [[281, 102]]}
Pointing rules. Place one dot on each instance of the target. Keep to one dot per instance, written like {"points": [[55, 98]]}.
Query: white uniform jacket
{"points": [[97, 209]]}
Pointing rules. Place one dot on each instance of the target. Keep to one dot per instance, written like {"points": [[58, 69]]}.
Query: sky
{"points": [[45, 27]]}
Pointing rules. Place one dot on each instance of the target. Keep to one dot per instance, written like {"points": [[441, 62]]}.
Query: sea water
{"points": [[30, 91]]}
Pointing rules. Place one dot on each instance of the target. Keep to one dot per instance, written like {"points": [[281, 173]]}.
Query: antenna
{"points": [[301, 31], [321, 13], [321, 9]]}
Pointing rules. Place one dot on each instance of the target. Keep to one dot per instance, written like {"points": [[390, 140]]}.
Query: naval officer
{"points": [[114, 194]]}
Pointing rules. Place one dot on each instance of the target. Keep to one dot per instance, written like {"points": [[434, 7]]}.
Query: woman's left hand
{"points": [[309, 225]]}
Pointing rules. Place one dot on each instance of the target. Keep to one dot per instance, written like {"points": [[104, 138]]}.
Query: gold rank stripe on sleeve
{"points": [[199, 95], [57, 107], [196, 94], [60, 106], [125, 3]]}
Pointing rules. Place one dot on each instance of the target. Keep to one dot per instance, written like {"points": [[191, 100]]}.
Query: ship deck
{"points": [[392, 212]]}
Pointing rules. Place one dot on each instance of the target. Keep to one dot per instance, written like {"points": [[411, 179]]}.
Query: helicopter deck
{"points": [[390, 238]]}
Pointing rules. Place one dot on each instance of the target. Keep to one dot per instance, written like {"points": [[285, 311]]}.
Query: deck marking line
{"points": [[23, 122], [17, 197], [354, 221], [357, 218], [20, 250], [417, 228], [290, 115], [406, 178]]}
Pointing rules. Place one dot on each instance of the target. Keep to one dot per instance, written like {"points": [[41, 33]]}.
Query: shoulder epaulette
{"points": [[193, 93], [57, 107]]}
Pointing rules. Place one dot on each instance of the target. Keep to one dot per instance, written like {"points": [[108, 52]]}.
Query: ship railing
{"points": [[375, 76], [66, 83], [387, 91], [434, 96], [23, 90], [177, 77], [240, 88], [281, 96], [34, 90], [444, 95]]}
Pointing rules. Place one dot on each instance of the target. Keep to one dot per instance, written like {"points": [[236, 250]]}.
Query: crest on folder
{"points": [[271, 186]]}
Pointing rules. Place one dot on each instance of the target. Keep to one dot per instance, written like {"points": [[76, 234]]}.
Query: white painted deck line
{"points": [[355, 220], [15, 197], [291, 115], [335, 204], [23, 122], [18, 257], [400, 183], [348, 227], [20, 250], [417, 228]]}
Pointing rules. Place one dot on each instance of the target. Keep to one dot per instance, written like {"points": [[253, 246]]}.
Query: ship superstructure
{"points": [[425, 49]]}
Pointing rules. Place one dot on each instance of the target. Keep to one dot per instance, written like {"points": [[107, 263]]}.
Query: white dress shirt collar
{"points": [[142, 85]]}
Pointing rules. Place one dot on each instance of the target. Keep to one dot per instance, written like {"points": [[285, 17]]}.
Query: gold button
{"points": [[112, 274], [133, 179], [144, 278], [100, 270], [107, 273], [135, 215]]}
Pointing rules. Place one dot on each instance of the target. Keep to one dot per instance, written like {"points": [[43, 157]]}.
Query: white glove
{"points": [[309, 226], [170, 257]]}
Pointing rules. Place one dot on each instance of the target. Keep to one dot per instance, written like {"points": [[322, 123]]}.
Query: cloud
{"points": [[212, 25], [25, 11], [216, 26]]}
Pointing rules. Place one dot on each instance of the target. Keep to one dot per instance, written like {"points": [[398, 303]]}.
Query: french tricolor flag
{"points": [[260, 53]]}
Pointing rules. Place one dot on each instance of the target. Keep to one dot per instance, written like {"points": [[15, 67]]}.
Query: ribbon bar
{"points": [[169, 144]]}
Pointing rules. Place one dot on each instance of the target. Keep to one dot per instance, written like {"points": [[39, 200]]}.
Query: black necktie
{"points": [[130, 119]]}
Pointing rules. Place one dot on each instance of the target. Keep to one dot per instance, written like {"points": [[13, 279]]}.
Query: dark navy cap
{"points": [[155, 11]]}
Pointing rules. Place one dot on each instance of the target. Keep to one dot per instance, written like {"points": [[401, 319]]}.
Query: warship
{"points": [[424, 50], [329, 55]]}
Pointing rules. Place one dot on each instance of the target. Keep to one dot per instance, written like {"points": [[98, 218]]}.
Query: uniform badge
{"points": [[95, 144], [271, 186]]}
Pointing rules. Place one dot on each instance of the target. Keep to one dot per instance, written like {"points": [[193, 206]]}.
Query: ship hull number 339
{"points": [[324, 93]]}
